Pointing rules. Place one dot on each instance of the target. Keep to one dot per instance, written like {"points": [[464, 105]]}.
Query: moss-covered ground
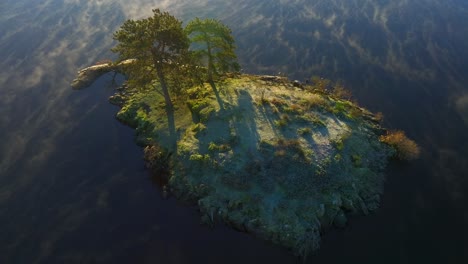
{"points": [[265, 156]]}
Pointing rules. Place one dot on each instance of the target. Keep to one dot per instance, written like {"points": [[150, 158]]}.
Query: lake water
{"points": [[73, 188]]}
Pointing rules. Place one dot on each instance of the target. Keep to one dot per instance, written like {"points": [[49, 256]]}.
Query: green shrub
{"points": [[357, 161], [199, 157]]}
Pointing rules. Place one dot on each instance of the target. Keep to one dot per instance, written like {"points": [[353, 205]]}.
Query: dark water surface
{"points": [[73, 188]]}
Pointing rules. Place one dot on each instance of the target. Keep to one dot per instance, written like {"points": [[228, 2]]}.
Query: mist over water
{"points": [[72, 183]]}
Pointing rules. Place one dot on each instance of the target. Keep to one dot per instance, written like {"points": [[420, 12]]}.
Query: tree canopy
{"points": [[213, 46], [156, 43], [166, 55], [159, 38]]}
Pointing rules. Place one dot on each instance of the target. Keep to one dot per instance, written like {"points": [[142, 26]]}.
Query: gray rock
{"points": [[88, 75]]}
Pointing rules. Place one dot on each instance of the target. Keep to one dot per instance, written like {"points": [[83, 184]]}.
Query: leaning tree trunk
{"points": [[210, 62], [164, 88], [169, 108]]}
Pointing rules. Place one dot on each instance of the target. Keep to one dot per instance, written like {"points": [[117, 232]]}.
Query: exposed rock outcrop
{"points": [[88, 75]]}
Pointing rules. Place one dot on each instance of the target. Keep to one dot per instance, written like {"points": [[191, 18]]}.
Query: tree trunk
{"points": [[169, 109], [210, 62], [165, 90]]}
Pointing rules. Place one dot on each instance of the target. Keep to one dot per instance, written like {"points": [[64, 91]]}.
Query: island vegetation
{"points": [[280, 159]]}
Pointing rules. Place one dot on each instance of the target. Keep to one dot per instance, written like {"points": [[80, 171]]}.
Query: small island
{"points": [[276, 158]]}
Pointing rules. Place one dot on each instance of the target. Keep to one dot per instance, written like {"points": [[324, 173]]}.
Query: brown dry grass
{"points": [[379, 117], [340, 92], [406, 148], [312, 101]]}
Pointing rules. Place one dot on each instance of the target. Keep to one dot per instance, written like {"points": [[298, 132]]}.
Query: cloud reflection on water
{"points": [[384, 50], [45, 49]]}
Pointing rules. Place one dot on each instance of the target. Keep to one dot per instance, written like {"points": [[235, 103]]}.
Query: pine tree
{"points": [[213, 46], [157, 44]]}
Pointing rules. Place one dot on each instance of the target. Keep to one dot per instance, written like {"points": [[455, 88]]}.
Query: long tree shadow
{"points": [[244, 123], [268, 115], [235, 126], [218, 97]]}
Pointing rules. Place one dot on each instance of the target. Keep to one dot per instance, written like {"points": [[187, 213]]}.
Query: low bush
{"points": [[406, 149], [379, 117], [340, 92], [157, 159]]}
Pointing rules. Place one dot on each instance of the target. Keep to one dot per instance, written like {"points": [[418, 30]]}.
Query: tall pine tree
{"points": [[213, 45], [157, 44]]}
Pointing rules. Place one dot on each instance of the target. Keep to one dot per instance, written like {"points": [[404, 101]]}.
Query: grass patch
{"points": [[294, 109], [291, 147], [282, 122], [213, 147], [304, 131], [354, 113], [311, 118], [279, 103], [339, 143], [198, 128], [199, 157], [312, 101], [263, 100], [339, 108]]}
